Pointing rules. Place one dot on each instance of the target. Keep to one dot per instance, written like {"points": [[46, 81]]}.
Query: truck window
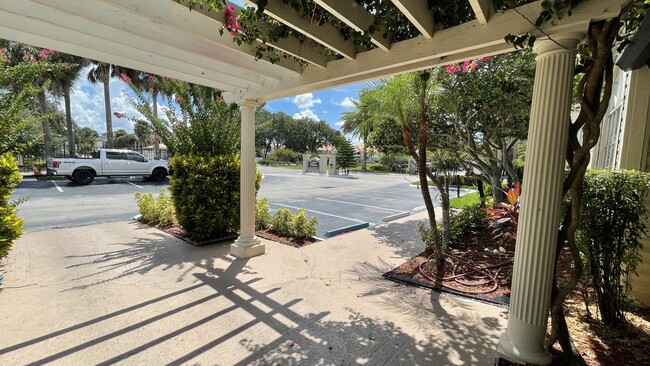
{"points": [[135, 157], [115, 155]]}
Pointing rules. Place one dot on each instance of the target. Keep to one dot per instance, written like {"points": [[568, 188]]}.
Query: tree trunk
{"points": [[497, 193], [481, 194], [109, 115], [68, 122], [442, 183], [156, 138], [47, 135]]}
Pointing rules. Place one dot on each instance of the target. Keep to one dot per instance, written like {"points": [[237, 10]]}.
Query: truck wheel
{"points": [[68, 177], [83, 176], [159, 174]]}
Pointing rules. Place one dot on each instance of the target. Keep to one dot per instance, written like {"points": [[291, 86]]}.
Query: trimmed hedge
{"points": [[205, 191]]}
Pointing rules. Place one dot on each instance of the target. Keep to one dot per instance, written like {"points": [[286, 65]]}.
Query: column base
{"points": [[510, 352], [247, 248]]}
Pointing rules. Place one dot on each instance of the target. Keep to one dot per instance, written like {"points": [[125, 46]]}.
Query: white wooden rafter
{"points": [[482, 9], [289, 45], [326, 34], [163, 37], [418, 14], [357, 18]]}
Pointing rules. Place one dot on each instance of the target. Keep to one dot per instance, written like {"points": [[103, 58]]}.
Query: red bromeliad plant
{"points": [[506, 215]]}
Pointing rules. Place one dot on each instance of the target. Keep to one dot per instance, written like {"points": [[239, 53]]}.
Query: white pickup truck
{"points": [[108, 163]]}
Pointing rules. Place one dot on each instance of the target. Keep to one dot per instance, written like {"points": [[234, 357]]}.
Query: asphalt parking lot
{"points": [[337, 202]]}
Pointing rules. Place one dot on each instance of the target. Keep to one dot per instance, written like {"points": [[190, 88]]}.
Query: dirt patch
{"points": [[294, 242]]}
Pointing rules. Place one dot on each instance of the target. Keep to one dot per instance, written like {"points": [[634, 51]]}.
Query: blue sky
{"points": [[88, 104]]}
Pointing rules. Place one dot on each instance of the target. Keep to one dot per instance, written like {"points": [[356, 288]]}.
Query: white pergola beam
{"points": [[289, 45], [418, 14], [468, 39], [161, 41], [356, 17], [203, 32], [104, 54], [482, 9], [326, 34]]}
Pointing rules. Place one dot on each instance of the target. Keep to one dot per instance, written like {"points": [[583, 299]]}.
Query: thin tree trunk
{"points": [[364, 154], [109, 115], [156, 138], [68, 122], [47, 135]]}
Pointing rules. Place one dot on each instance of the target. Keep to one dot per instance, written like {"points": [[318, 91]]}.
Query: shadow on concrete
{"points": [[404, 237]]}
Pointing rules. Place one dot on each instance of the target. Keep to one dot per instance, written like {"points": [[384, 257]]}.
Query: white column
{"points": [[539, 219], [247, 245]]}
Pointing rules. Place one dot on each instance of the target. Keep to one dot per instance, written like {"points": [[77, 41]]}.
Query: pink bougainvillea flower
{"points": [[119, 115], [125, 78], [179, 99], [25, 57]]}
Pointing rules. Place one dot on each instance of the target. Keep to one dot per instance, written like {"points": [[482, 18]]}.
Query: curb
{"points": [[340, 230], [395, 216]]}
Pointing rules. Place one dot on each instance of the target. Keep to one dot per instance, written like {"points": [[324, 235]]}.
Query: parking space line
{"points": [[57, 186], [359, 204], [392, 199], [135, 185], [318, 212]]}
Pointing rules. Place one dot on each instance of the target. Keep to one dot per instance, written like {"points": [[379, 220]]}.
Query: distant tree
{"points": [[85, 140], [345, 157], [143, 132], [62, 85], [124, 140]]}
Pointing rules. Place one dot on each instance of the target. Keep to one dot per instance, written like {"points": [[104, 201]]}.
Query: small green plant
{"points": [[282, 220], [263, 215], [466, 221], [303, 228], [11, 226], [297, 225], [147, 207], [158, 211]]}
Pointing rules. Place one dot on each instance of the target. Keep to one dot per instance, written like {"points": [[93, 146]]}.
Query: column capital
{"points": [[566, 42], [250, 102]]}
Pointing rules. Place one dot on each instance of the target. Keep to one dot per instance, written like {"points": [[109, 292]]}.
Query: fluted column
{"points": [[539, 219], [247, 245]]}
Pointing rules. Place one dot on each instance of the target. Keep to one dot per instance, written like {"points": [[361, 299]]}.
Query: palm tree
{"points": [[151, 83], [359, 122], [103, 72], [62, 83]]}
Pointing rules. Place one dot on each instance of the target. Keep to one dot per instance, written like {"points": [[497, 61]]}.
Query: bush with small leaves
{"points": [[303, 228], [263, 215], [147, 207], [164, 209], [282, 222], [11, 226]]}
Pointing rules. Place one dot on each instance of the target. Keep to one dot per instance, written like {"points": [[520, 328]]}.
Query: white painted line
{"points": [[391, 199], [57, 186], [135, 185], [419, 208], [359, 204], [318, 212]]}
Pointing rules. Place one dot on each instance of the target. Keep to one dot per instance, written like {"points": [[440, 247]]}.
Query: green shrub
{"points": [[469, 220], [147, 207], [613, 218], [282, 221], [285, 156], [285, 223], [264, 162], [303, 228], [205, 191], [11, 226], [263, 215], [158, 211]]}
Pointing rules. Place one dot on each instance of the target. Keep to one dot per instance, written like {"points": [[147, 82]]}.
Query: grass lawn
{"points": [[468, 200]]}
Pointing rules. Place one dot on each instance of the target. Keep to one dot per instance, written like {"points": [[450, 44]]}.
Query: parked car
{"points": [[108, 163]]}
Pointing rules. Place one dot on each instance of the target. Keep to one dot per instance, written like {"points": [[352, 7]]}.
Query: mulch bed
{"points": [[599, 345]]}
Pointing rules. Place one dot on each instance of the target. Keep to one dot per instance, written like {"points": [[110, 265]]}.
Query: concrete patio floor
{"points": [[125, 293]]}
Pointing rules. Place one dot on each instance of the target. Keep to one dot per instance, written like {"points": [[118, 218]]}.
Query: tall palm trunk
{"points": [[68, 122], [156, 138], [47, 135], [364, 153], [109, 115]]}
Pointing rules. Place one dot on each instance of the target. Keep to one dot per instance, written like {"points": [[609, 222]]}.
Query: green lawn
{"points": [[468, 200]]}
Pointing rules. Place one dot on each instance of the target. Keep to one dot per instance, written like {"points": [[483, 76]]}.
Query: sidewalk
{"points": [[124, 293]]}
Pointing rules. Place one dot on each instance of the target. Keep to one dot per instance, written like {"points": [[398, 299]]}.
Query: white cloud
{"points": [[87, 105], [305, 101], [306, 113], [339, 123], [347, 102]]}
